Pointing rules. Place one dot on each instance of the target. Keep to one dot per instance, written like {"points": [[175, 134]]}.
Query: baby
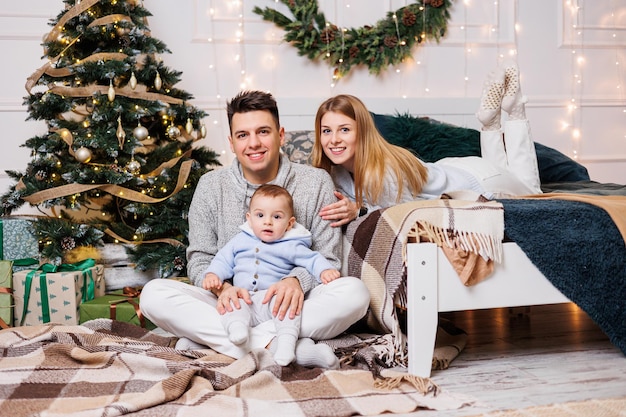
{"points": [[269, 246]]}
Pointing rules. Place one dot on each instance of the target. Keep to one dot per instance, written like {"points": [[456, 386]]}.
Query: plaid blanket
{"points": [[378, 248], [110, 368]]}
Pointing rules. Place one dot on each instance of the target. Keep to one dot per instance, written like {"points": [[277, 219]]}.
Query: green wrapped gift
{"points": [[52, 293], [6, 294], [120, 305], [18, 242]]}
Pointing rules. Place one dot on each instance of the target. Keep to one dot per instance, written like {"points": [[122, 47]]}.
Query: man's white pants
{"points": [[189, 311]]}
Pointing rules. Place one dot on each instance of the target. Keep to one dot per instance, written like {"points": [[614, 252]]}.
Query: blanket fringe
{"points": [[422, 385], [479, 243]]}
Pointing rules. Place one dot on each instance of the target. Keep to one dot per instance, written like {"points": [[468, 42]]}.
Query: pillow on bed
{"points": [[433, 140], [299, 145]]}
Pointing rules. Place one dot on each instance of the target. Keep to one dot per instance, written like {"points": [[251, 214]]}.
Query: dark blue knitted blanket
{"points": [[580, 250]]}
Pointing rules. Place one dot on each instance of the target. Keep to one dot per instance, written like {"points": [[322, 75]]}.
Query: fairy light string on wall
{"points": [[213, 65], [619, 71], [466, 48], [577, 60]]}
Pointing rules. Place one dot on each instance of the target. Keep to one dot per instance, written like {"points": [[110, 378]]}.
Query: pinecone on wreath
{"points": [[354, 51], [408, 18], [390, 41], [328, 34]]}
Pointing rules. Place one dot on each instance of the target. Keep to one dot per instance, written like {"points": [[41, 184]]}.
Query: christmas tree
{"points": [[117, 163]]}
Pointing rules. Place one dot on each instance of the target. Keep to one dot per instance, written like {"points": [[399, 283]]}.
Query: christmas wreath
{"points": [[389, 42]]}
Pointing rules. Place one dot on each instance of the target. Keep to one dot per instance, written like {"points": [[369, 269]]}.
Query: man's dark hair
{"points": [[247, 101]]}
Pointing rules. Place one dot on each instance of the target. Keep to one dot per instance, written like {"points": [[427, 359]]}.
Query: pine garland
{"points": [[387, 43]]}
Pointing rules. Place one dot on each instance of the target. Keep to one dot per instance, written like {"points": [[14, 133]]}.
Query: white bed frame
{"points": [[433, 286]]}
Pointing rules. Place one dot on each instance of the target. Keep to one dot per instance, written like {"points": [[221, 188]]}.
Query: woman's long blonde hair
{"points": [[373, 154]]}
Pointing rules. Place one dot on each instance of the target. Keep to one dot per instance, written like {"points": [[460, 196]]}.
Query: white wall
{"points": [[549, 40]]}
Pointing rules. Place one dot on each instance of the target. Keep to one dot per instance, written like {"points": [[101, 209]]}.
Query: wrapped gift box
{"points": [[120, 305], [18, 242], [6, 290], [54, 294]]}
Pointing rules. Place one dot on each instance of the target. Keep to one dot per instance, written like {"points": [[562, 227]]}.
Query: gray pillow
{"points": [[299, 145]]}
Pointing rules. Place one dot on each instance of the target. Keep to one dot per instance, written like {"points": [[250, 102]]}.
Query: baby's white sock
{"points": [[238, 332], [320, 355], [187, 344], [283, 349]]}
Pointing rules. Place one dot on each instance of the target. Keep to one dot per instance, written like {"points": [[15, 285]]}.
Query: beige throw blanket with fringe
{"points": [[109, 368], [378, 249]]}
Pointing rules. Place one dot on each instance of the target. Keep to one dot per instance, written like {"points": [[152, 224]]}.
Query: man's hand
{"points": [[229, 297], [289, 297], [342, 212]]}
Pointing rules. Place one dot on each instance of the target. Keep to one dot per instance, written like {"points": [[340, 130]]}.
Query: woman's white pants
{"points": [[514, 156], [190, 312]]}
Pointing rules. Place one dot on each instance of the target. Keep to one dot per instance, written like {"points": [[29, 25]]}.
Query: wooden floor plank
{"points": [[517, 358]]}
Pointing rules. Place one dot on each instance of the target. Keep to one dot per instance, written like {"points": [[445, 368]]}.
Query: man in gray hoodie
{"points": [[218, 208]]}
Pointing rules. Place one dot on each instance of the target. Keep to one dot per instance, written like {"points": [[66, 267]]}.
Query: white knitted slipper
{"points": [[491, 100], [513, 100]]}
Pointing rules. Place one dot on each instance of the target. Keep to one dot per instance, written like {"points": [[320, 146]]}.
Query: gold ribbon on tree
{"points": [[115, 190], [140, 92]]}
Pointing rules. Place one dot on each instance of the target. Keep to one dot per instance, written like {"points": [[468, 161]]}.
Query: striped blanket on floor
{"points": [[377, 251], [109, 368]]}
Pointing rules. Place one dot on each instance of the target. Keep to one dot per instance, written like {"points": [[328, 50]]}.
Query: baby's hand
{"points": [[329, 275], [211, 282]]}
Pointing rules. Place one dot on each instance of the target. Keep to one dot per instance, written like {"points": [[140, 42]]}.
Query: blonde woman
{"points": [[370, 173]]}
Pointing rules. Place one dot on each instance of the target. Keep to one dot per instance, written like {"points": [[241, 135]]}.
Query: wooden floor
{"points": [[518, 358]]}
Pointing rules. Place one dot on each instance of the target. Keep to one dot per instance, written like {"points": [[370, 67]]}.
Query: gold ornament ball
{"points": [[173, 132], [122, 31], [140, 133], [133, 167], [83, 155]]}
